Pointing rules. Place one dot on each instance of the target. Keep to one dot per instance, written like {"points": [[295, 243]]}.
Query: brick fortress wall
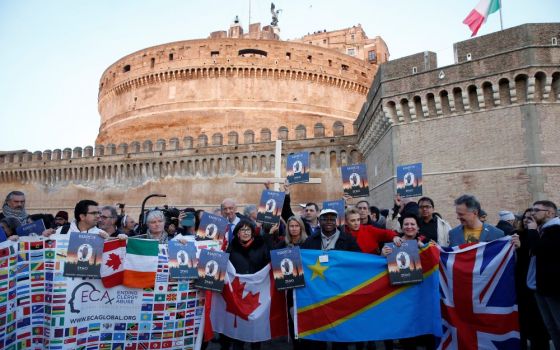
{"points": [[487, 125]]}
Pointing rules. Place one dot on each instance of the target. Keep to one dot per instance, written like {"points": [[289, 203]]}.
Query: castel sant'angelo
{"points": [[188, 118]]}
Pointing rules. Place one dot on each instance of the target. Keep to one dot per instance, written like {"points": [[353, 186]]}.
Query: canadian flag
{"points": [[112, 267], [249, 308]]}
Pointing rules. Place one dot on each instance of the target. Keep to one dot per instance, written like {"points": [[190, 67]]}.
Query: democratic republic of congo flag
{"points": [[349, 298]]}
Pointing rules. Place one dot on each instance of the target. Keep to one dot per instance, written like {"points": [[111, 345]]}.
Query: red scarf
{"points": [[248, 243]]}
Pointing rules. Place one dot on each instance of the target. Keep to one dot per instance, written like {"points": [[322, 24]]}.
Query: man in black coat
{"points": [[544, 244], [330, 238]]}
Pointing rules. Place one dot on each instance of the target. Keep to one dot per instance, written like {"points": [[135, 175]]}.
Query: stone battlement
{"points": [[138, 162], [414, 89]]}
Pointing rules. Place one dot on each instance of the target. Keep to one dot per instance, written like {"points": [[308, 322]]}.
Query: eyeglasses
{"points": [[105, 217], [93, 213], [536, 210]]}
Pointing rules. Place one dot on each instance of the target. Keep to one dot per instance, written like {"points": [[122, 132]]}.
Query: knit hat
{"points": [[62, 214], [506, 215]]}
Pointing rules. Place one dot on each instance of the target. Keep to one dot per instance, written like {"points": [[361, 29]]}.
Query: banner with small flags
{"points": [[42, 309]]}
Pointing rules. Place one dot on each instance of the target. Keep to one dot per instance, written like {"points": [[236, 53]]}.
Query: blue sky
{"points": [[54, 52]]}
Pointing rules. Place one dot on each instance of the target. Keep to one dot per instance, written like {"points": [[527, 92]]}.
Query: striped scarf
{"points": [[19, 214]]}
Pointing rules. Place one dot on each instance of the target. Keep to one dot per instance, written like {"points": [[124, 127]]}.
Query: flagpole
{"points": [[501, 22]]}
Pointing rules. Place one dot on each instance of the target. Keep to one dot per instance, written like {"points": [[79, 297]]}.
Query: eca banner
{"points": [[40, 308]]}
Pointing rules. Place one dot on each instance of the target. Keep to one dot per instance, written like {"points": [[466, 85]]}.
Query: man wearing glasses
{"points": [[108, 221], [86, 215], [544, 244], [432, 226]]}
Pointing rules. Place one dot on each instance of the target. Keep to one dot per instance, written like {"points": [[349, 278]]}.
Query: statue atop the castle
{"points": [[274, 13]]}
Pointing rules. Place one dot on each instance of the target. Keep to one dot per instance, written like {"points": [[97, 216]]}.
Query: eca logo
{"points": [[86, 292]]}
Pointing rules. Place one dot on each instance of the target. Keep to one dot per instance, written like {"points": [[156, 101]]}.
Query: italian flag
{"points": [[480, 13], [140, 263]]}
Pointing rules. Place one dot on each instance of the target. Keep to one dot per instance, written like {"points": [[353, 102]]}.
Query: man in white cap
{"points": [[507, 219], [330, 238]]}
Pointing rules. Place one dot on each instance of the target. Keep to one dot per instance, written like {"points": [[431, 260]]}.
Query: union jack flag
{"points": [[479, 305]]}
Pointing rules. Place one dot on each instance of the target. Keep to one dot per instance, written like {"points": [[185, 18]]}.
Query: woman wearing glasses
{"points": [[248, 253]]}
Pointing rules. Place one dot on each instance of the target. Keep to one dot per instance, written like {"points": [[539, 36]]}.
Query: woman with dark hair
{"points": [[531, 324], [248, 253]]}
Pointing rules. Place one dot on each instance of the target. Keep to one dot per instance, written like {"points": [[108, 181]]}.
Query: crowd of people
{"points": [[535, 234]]}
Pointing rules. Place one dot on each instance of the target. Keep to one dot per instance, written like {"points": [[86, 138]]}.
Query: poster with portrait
{"points": [[297, 167], [404, 263], [182, 260], [270, 207], [354, 180], [409, 180], [337, 206], [84, 256], [211, 227], [287, 268], [211, 268]]}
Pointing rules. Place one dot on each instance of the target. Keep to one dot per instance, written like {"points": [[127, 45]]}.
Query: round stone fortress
{"points": [[239, 88]]}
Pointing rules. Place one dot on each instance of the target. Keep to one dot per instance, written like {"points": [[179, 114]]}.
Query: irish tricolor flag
{"points": [[480, 13], [140, 263]]}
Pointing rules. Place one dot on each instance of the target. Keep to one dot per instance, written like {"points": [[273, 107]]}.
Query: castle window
{"points": [[152, 62], [330, 63], [352, 37], [126, 68], [372, 56], [252, 53], [171, 57], [469, 56], [288, 55], [554, 41], [351, 52], [414, 70], [214, 53], [309, 59], [345, 67], [324, 41]]}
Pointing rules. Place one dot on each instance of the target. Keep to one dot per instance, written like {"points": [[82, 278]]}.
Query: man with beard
{"points": [[14, 207], [544, 242]]}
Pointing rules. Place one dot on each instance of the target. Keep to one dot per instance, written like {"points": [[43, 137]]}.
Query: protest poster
{"points": [[297, 167], [84, 256], [182, 260], [211, 227], [404, 264], [270, 206], [409, 180], [354, 180], [211, 270], [287, 268]]}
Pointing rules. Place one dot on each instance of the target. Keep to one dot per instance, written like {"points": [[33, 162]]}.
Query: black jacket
{"points": [[344, 242], [251, 259], [545, 248]]}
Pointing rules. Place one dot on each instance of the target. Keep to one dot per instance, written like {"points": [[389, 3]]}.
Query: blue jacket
{"points": [[489, 233]]}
